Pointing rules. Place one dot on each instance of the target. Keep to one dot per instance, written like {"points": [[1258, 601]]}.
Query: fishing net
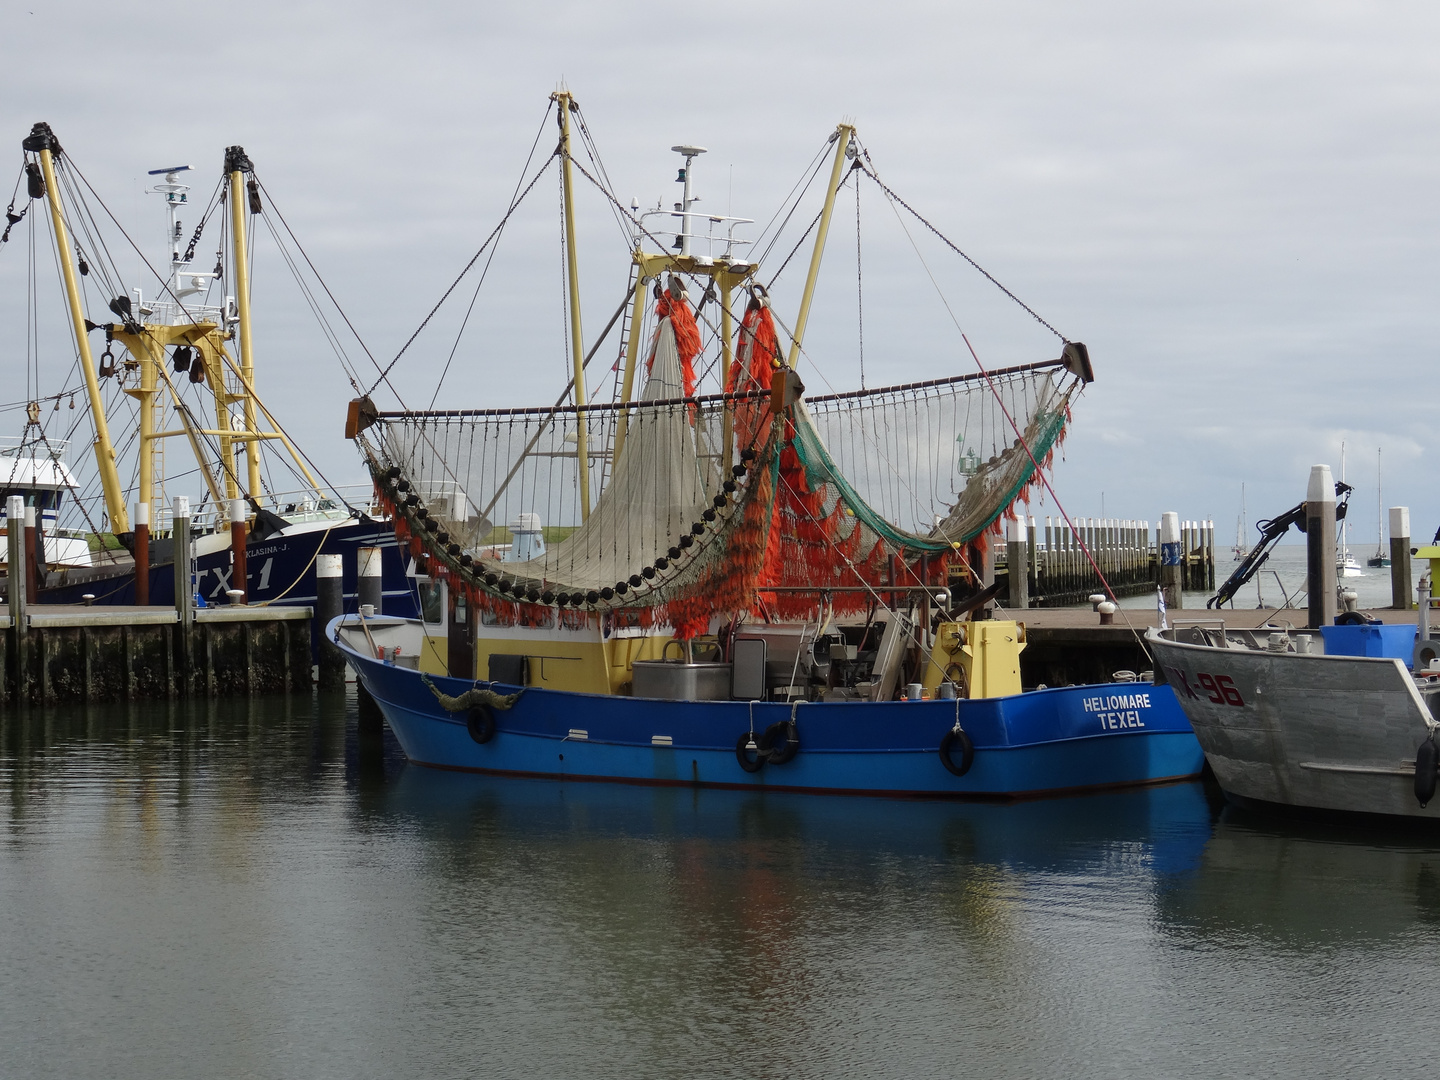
{"points": [[678, 508]]}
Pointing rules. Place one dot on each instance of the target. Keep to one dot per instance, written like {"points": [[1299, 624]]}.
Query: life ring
{"points": [[743, 748], [780, 743], [956, 737], [1426, 760], [480, 722]]}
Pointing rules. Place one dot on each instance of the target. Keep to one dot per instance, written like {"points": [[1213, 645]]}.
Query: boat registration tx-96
{"points": [[1116, 711], [1217, 689]]}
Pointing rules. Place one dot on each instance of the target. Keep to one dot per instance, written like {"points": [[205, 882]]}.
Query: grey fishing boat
{"points": [[1333, 719]]}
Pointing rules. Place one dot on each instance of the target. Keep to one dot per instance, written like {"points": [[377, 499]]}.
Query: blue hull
{"points": [[1043, 742]]}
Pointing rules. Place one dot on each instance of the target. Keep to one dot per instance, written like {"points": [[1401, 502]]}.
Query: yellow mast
{"points": [[151, 355], [42, 141], [572, 269], [237, 164], [842, 143]]}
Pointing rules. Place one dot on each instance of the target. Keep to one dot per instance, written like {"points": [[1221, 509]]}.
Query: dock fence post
{"points": [[1320, 545], [1400, 558]]}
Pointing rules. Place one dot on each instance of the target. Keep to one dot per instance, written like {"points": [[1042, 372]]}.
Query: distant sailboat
{"points": [[1380, 558], [1346, 565], [1242, 549]]}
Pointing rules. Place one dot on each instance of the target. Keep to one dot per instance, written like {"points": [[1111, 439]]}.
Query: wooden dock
{"points": [[98, 654], [1059, 562]]}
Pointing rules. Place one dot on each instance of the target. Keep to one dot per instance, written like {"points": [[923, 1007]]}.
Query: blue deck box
{"points": [[1394, 641]]}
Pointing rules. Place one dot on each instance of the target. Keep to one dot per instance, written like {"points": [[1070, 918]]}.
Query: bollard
{"points": [[1017, 557], [1400, 558], [141, 521], [1320, 545], [1170, 568], [32, 582], [329, 604], [1107, 613], [368, 582], [240, 577]]}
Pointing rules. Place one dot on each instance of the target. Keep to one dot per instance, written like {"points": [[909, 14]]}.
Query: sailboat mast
{"points": [[1379, 510], [572, 271], [843, 134], [237, 164], [42, 141]]}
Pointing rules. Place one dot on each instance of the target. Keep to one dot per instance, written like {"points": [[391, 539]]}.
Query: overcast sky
{"points": [[1232, 204]]}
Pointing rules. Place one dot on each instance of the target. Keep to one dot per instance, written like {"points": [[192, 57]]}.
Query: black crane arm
{"points": [[1270, 533]]}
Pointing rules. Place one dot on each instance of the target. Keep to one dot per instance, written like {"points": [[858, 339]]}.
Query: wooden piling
{"points": [[239, 579], [141, 521], [368, 583], [1400, 597], [1017, 560], [329, 605], [1171, 568], [1320, 545]]}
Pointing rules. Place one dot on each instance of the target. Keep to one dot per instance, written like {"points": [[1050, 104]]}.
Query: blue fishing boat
{"points": [[1043, 742], [737, 584]]}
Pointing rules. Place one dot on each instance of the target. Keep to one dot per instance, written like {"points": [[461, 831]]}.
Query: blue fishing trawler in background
{"points": [[175, 365]]}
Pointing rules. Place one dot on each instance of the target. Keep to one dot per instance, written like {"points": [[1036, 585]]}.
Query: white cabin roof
{"points": [[38, 466]]}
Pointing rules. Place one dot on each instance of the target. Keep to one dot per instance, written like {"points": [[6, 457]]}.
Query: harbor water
{"points": [[266, 889]]}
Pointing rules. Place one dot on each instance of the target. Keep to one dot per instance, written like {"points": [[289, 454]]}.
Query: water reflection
{"points": [[266, 888], [1307, 883]]}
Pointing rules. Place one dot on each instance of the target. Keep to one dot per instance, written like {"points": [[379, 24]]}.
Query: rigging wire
{"points": [[514, 204], [869, 169], [485, 270]]}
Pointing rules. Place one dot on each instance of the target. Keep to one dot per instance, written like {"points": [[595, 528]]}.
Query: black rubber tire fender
{"points": [[780, 743], [480, 722], [1427, 758], [956, 737], [742, 753], [1354, 618]]}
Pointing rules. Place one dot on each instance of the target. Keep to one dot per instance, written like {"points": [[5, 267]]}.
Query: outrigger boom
{"points": [[198, 335]]}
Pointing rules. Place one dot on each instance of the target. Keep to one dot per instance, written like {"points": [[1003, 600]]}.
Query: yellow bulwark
{"points": [[983, 656], [577, 661]]}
